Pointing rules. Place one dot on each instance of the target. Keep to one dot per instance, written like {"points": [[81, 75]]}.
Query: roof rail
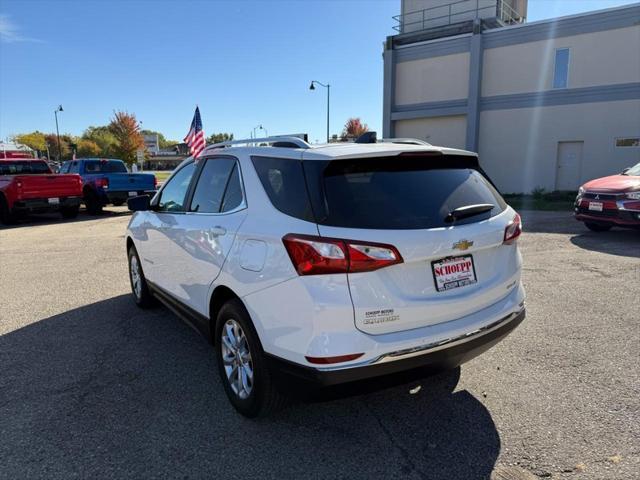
{"points": [[285, 140], [405, 141]]}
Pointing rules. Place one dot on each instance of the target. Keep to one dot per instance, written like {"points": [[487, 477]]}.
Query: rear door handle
{"points": [[218, 230]]}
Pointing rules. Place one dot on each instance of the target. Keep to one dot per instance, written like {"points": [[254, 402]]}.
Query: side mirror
{"points": [[140, 203]]}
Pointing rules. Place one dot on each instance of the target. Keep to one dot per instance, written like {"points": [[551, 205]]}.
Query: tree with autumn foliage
{"points": [[353, 128], [126, 129]]}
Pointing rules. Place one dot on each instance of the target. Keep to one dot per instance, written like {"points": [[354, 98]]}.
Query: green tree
{"points": [[52, 143], [35, 140], [88, 148], [219, 137], [104, 138], [126, 130]]}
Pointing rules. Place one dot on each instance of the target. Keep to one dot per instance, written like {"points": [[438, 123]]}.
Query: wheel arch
{"points": [[221, 295], [130, 244]]}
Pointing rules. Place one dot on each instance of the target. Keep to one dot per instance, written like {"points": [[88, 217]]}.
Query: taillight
{"points": [[102, 182], [155, 182], [513, 230], [313, 255]]}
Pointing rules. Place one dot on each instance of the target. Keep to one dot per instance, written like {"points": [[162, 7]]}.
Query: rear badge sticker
{"points": [[380, 316]]}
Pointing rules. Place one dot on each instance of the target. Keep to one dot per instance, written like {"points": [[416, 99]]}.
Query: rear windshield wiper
{"points": [[468, 211]]}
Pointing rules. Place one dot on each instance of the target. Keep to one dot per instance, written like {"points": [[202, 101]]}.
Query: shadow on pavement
{"points": [[615, 242], [56, 218], [108, 390]]}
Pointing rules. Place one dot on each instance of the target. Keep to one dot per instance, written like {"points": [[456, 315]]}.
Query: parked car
{"points": [[27, 185], [107, 181], [612, 201], [319, 265]]}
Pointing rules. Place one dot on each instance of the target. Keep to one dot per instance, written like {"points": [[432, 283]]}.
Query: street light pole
{"points": [[259, 127], [328, 87], [55, 112]]}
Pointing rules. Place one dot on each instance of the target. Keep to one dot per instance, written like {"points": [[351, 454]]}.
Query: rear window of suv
{"points": [[392, 193]]}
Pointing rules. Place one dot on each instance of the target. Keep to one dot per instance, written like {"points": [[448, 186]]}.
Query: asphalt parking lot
{"points": [[91, 386]]}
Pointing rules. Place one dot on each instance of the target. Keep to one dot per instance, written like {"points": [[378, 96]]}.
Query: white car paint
{"points": [[190, 254]]}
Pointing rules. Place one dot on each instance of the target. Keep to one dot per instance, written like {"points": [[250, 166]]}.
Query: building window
{"points": [[561, 70], [628, 142]]}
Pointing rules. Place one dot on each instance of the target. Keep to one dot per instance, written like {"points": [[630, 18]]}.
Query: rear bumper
{"points": [[42, 205], [109, 197], [433, 357]]}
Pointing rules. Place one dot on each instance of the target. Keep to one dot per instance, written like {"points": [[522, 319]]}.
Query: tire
{"points": [[597, 227], [261, 397], [91, 200], [139, 286], [69, 212], [6, 217]]}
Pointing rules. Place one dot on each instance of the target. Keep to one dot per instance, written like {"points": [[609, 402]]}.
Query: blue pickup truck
{"points": [[107, 181]]}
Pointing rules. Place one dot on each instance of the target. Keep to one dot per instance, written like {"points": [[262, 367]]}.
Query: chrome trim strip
{"points": [[432, 347]]}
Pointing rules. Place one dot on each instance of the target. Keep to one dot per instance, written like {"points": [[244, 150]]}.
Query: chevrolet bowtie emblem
{"points": [[463, 245]]}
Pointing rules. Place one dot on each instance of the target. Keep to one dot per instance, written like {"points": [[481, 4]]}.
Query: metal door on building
{"points": [[569, 165]]}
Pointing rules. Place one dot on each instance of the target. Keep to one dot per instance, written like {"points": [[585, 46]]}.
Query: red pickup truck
{"points": [[27, 185]]}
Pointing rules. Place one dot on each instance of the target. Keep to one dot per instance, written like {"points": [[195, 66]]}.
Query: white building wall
{"points": [[449, 131], [519, 147], [432, 79], [598, 58]]}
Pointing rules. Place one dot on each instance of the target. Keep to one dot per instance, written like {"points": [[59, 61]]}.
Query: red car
{"points": [[610, 201], [27, 185]]}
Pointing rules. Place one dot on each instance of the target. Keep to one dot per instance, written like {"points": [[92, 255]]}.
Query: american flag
{"points": [[195, 138]]}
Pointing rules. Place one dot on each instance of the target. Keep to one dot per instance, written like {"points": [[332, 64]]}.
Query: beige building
{"points": [[546, 104]]}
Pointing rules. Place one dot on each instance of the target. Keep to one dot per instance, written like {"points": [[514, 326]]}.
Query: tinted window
{"points": [[65, 167], [211, 186], [104, 166], [284, 181], [174, 192], [74, 167], [398, 193], [561, 70], [23, 167], [233, 195]]}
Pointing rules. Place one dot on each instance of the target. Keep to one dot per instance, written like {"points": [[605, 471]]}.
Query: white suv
{"points": [[328, 264]]}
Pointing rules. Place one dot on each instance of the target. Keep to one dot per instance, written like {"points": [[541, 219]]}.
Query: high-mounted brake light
{"points": [[313, 255], [513, 230]]}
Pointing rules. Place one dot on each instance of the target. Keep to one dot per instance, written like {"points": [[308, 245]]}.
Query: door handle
{"points": [[218, 230]]}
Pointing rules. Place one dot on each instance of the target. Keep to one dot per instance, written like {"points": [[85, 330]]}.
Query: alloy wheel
{"points": [[236, 358]]}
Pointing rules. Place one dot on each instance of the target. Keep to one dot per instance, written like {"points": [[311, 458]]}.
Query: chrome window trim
{"points": [[243, 204]]}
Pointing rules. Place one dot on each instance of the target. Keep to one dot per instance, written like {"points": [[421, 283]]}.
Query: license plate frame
{"points": [[451, 281], [53, 201], [596, 206]]}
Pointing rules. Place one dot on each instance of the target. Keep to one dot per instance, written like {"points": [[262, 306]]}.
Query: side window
{"points": [[65, 167], [233, 196], [212, 184], [74, 167], [284, 182], [174, 192], [561, 68]]}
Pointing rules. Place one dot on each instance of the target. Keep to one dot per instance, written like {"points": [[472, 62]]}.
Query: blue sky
{"points": [[244, 62]]}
